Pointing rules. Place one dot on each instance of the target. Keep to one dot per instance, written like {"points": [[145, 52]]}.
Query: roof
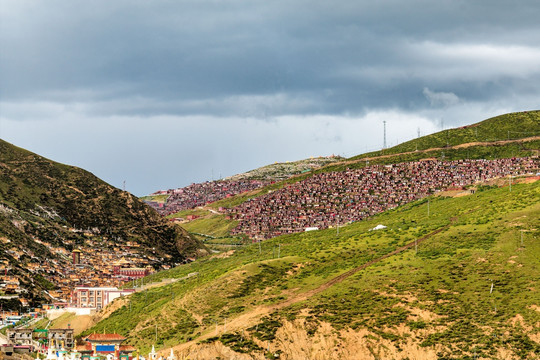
{"points": [[105, 337], [84, 348], [127, 348], [87, 347]]}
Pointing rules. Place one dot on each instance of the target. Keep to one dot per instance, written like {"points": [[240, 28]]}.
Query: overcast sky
{"points": [[165, 93]]}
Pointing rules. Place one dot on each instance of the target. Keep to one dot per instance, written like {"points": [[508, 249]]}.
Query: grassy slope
{"points": [[437, 300], [278, 171], [504, 127], [156, 198], [214, 225]]}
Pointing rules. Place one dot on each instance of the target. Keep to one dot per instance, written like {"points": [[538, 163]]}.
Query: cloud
{"points": [[256, 78], [440, 98], [164, 151]]}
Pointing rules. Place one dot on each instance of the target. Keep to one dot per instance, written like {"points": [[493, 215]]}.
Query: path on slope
{"points": [[248, 318]]}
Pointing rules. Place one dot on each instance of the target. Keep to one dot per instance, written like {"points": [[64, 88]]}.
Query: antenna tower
{"points": [[124, 185], [384, 143]]}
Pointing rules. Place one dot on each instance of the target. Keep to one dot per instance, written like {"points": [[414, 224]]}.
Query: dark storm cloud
{"points": [[192, 57], [251, 82]]}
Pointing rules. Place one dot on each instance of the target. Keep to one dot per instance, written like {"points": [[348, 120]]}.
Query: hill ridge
{"points": [[55, 208]]}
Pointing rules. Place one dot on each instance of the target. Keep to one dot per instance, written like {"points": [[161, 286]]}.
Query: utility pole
{"points": [[279, 251], [510, 182], [260, 251], [521, 238], [428, 207]]}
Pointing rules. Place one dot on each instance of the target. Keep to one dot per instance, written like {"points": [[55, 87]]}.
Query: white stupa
{"points": [[153, 354], [171, 356], [51, 353]]}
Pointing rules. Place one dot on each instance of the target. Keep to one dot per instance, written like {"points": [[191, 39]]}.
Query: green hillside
{"points": [[421, 288], [506, 127], [284, 170]]}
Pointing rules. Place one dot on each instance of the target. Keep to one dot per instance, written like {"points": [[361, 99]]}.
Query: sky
{"points": [[161, 94]]}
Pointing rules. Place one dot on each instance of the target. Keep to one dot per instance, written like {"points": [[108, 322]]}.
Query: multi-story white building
{"points": [[96, 297]]}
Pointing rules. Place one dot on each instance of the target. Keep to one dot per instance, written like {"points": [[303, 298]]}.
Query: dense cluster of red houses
{"points": [[194, 195], [334, 198]]}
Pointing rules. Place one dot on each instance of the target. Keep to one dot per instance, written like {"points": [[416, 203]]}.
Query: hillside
{"points": [[282, 171], [48, 209], [452, 277], [174, 201], [512, 126]]}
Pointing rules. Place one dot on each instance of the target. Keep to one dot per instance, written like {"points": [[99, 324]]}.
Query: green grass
{"points": [[184, 213], [156, 198], [214, 225], [448, 278]]}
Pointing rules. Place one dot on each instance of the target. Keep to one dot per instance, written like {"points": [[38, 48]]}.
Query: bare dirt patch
{"points": [[78, 323], [327, 343], [424, 315], [223, 255]]}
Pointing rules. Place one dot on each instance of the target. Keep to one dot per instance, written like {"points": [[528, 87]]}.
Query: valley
{"points": [[426, 250]]}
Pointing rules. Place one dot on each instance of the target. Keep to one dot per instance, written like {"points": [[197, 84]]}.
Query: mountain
{"points": [[450, 275], [418, 289], [48, 209]]}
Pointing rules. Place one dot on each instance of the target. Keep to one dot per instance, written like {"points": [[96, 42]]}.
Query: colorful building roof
{"points": [[104, 337]]}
